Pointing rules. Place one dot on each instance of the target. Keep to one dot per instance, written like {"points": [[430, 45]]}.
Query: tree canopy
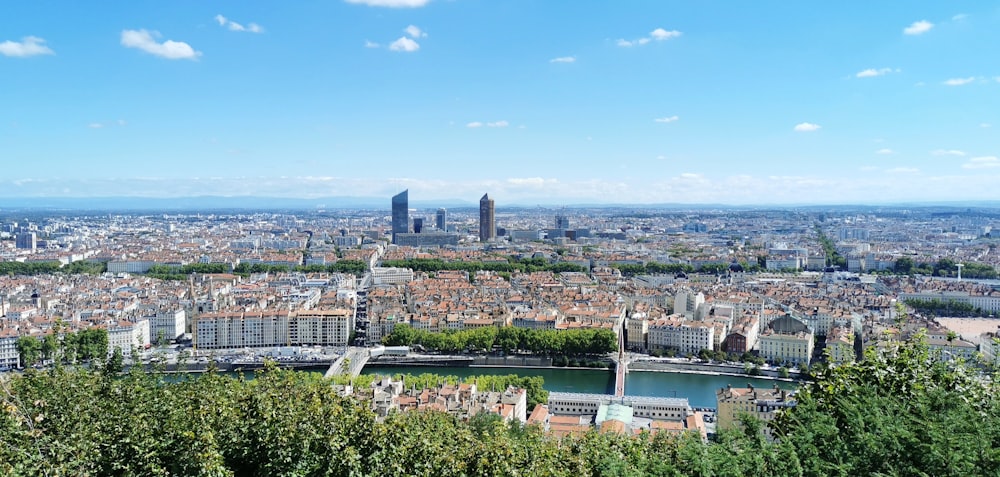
{"points": [[901, 411]]}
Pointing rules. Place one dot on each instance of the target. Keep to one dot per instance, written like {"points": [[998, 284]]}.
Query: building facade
{"points": [[400, 214], [487, 219]]}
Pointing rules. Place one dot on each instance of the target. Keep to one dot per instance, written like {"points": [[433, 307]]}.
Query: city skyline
{"points": [[638, 103]]}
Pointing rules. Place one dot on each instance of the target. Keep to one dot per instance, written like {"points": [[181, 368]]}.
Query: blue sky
{"points": [[553, 102]]}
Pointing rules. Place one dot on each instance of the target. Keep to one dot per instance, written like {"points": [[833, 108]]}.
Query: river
{"points": [[699, 389]]}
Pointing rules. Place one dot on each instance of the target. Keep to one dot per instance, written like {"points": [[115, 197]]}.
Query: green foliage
{"points": [[28, 268], [85, 267], [511, 265], [63, 347], [585, 341], [937, 307], [901, 411]]}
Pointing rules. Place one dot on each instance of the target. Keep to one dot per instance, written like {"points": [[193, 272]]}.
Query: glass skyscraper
{"points": [[400, 214]]}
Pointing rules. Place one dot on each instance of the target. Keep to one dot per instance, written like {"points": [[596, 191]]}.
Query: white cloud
{"points": [[490, 124], [985, 162], [563, 59], [661, 34], [667, 119], [414, 32], [959, 17], [959, 81], [404, 44], [95, 125], [903, 170], [146, 41], [918, 28], [948, 152], [885, 151], [28, 46], [658, 34], [371, 44], [985, 125], [530, 182], [391, 3], [806, 127], [233, 26], [873, 72]]}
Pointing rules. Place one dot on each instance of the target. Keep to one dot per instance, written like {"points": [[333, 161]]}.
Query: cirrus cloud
{"points": [[146, 41], [806, 127], [563, 59], [233, 26], [667, 119]]}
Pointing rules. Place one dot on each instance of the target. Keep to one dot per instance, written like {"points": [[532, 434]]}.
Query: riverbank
{"points": [[710, 369]]}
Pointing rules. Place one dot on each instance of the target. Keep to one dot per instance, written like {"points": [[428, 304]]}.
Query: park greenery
{"points": [[51, 267], [950, 308], [508, 339], [511, 264], [900, 411], [182, 272], [833, 257]]}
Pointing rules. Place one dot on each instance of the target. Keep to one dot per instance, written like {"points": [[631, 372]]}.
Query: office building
{"points": [[562, 222], [442, 220], [26, 241], [400, 214], [418, 224], [487, 222]]}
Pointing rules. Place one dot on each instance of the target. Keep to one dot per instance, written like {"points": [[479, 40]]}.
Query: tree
{"points": [[903, 266], [30, 350]]}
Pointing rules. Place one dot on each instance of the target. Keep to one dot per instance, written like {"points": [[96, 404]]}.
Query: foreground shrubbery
{"points": [[903, 413]]}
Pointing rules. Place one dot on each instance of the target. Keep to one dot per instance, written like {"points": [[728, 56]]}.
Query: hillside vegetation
{"points": [[900, 412]]}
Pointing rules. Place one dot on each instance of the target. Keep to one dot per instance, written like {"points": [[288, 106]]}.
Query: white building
{"points": [[795, 348], [127, 335], [677, 332], [9, 357], [655, 408], [391, 275], [274, 328], [167, 325]]}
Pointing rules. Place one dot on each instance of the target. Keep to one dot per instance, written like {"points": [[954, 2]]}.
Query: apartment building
{"points": [[128, 335], [676, 332], [762, 403]]}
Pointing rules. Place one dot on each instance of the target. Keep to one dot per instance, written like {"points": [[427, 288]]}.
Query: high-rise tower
{"points": [[442, 220], [487, 222], [400, 214]]}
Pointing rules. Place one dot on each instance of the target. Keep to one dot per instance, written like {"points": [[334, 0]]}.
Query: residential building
{"points": [[685, 336], [762, 403], [167, 325], [128, 335]]}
